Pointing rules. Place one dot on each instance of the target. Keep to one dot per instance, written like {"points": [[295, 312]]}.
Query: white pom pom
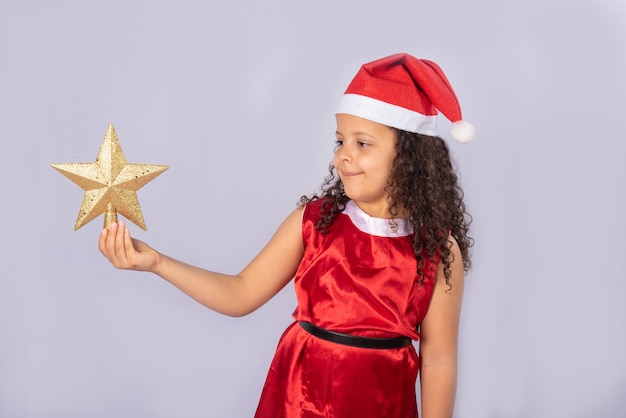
{"points": [[462, 131]]}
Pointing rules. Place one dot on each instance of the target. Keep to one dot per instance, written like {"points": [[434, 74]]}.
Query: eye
{"points": [[362, 144], [338, 143]]}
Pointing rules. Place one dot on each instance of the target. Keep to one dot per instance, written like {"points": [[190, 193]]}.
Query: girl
{"points": [[378, 260]]}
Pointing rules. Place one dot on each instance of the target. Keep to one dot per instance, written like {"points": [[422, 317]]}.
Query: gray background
{"points": [[238, 97]]}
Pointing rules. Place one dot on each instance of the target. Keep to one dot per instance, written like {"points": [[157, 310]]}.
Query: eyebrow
{"points": [[358, 133]]}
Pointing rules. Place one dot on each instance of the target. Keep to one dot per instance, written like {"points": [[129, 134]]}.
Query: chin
{"points": [[351, 195]]}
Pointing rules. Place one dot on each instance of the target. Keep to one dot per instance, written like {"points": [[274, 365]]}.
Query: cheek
{"points": [[389, 163], [380, 166], [383, 172]]}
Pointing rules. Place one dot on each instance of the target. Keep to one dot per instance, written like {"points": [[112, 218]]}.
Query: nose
{"points": [[343, 153]]}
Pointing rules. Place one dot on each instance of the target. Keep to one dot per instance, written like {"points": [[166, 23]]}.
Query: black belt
{"points": [[354, 340]]}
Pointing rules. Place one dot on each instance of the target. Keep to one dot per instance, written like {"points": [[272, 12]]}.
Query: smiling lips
{"points": [[349, 174]]}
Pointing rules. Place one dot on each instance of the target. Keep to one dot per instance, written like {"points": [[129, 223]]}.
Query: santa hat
{"points": [[406, 93]]}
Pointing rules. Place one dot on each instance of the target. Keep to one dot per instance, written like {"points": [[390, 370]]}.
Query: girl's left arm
{"points": [[439, 341]]}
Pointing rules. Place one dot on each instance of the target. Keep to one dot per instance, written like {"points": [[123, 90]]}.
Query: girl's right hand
{"points": [[125, 252], [234, 295]]}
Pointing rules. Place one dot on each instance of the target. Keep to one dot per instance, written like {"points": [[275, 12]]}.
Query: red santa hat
{"points": [[405, 93]]}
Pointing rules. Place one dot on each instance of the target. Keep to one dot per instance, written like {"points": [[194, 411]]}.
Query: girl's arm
{"points": [[233, 295], [439, 341]]}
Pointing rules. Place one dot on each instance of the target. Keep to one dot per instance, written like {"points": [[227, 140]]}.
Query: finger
{"points": [[120, 249], [102, 239], [129, 247], [109, 245]]}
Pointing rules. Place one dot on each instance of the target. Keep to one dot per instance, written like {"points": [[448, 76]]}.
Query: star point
{"points": [[110, 183]]}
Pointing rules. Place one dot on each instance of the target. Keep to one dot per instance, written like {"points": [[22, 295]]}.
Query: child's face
{"points": [[363, 159]]}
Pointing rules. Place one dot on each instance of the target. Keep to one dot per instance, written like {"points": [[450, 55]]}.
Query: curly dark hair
{"points": [[424, 187]]}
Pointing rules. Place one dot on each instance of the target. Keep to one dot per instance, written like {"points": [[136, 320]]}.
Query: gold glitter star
{"points": [[110, 183]]}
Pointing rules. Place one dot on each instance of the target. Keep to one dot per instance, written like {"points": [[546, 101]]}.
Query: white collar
{"points": [[380, 227]]}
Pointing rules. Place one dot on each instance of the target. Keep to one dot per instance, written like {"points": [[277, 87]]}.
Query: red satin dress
{"points": [[360, 279]]}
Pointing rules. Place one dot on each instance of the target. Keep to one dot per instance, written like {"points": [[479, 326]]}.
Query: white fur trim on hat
{"points": [[387, 114]]}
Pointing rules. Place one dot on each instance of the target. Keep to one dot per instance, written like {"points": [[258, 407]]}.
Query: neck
{"points": [[377, 210]]}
